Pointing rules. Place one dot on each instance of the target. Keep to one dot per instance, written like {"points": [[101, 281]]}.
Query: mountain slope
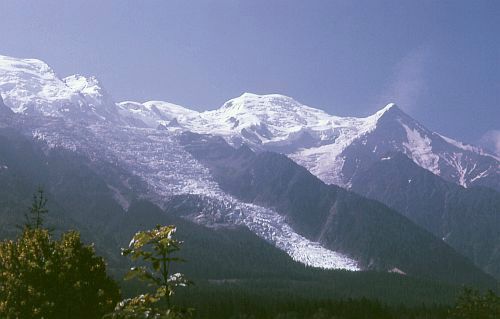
{"points": [[223, 255], [376, 236], [466, 219]]}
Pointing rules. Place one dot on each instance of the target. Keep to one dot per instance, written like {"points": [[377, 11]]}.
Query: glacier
{"points": [[158, 158]]}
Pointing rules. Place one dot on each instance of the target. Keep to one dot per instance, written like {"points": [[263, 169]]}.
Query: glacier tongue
{"points": [[271, 226], [169, 170]]}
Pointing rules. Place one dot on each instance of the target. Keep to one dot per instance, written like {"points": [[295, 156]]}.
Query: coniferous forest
{"points": [[43, 275]]}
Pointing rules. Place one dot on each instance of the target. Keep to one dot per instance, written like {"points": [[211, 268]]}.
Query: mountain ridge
{"points": [[312, 137]]}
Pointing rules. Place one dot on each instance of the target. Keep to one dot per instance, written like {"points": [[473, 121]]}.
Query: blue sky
{"points": [[439, 60]]}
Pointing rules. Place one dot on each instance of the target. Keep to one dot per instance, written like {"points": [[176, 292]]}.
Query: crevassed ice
{"points": [[168, 169]]}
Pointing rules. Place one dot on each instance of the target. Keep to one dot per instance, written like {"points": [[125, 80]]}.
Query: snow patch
{"points": [[118, 196], [420, 150], [397, 271], [467, 147], [480, 175]]}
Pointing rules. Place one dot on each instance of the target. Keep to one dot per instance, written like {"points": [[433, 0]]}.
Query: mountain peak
{"points": [[250, 95], [31, 86], [80, 82], [389, 108], [88, 86], [392, 112], [18, 65], [251, 101]]}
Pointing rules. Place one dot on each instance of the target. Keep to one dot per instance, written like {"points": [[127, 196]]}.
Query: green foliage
{"points": [[472, 304], [43, 278], [155, 248]]}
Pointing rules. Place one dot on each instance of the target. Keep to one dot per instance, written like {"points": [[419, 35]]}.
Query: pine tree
{"points": [[35, 218]]}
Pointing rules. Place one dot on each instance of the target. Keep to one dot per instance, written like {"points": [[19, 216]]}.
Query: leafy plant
{"points": [[45, 278], [155, 248]]}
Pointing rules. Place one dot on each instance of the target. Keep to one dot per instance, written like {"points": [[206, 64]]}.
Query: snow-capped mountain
{"points": [[97, 101], [76, 113], [395, 131], [272, 122], [331, 147], [30, 86], [79, 116], [335, 148]]}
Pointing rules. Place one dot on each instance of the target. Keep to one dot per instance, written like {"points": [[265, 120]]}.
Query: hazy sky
{"points": [[439, 60]]}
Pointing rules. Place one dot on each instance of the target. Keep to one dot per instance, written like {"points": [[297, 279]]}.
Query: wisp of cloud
{"points": [[408, 80]]}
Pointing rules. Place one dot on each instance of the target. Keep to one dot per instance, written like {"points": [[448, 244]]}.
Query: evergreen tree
{"points": [[35, 217]]}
